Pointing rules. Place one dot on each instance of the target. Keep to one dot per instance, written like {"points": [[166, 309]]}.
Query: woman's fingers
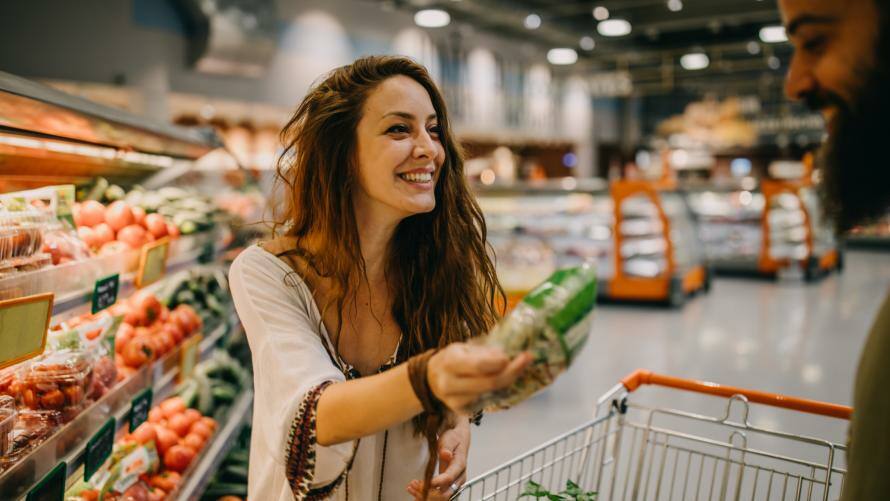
{"points": [[464, 359], [450, 470], [475, 385]]}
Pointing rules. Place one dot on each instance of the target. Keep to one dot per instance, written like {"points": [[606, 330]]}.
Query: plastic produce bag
{"points": [[552, 322]]}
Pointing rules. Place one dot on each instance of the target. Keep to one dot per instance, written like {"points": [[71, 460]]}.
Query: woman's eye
{"points": [[435, 130], [398, 129]]}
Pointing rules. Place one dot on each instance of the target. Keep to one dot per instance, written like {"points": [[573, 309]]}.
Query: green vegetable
{"points": [[572, 492], [225, 489], [234, 473]]}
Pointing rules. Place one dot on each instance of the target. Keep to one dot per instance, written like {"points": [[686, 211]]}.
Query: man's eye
{"points": [[814, 44], [398, 129]]}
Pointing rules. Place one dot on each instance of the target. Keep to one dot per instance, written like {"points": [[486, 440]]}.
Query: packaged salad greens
{"points": [[552, 322]]}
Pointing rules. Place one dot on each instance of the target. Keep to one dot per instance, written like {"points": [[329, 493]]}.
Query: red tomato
{"points": [[173, 406], [202, 429], [194, 441], [155, 415], [103, 234], [166, 439], [172, 230], [156, 225], [145, 433], [209, 422], [88, 236], [133, 235], [192, 415], [179, 424], [119, 215], [167, 480], [138, 351], [178, 458], [138, 215], [92, 213]]}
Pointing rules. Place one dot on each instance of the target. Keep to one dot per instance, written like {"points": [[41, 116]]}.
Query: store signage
{"points": [[23, 325], [139, 408], [152, 262], [188, 356], [99, 448], [105, 292], [51, 487]]}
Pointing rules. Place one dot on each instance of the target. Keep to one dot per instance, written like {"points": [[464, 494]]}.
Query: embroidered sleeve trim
{"points": [[300, 452]]}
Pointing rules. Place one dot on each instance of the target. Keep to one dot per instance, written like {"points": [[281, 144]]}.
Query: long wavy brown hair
{"points": [[439, 271]]}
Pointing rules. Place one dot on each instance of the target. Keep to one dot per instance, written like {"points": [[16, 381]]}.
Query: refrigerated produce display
{"points": [[640, 237], [133, 392], [871, 236], [766, 229]]}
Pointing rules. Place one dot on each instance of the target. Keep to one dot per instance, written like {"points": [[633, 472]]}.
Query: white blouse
{"points": [[291, 367]]}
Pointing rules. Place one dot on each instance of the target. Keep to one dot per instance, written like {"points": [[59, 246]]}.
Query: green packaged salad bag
{"points": [[552, 322]]}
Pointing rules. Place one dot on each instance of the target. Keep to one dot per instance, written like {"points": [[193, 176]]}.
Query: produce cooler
{"points": [[134, 372], [766, 229], [641, 238]]}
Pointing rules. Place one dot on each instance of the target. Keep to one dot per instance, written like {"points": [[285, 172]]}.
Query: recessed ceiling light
{"points": [[753, 48], [600, 13], [773, 62], [587, 43], [695, 61], [562, 55], [773, 34], [675, 5], [613, 28], [532, 21], [432, 18]]}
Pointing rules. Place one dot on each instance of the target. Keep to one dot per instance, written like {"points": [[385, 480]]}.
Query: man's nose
{"points": [[799, 80]]}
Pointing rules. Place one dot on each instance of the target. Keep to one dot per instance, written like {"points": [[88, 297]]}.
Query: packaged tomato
{"points": [[10, 384], [31, 428], [7, 422], [57, 381]]}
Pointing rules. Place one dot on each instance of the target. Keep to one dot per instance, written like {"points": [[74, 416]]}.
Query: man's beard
{"points": [[856, 180]]}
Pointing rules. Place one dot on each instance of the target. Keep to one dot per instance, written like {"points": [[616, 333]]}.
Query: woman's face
{"points": [[400, 154]]}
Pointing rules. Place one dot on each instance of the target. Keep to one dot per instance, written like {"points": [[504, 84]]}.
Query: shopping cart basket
{"points": [[632, 452]]}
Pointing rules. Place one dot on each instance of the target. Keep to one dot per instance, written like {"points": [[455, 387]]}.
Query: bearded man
{"points": [[841, 67]]}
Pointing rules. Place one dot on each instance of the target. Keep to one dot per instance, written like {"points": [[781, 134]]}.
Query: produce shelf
{"points": [[69, 442], [199, 474], [73, 283]]}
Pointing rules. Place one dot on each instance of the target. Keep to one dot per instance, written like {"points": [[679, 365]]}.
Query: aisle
{"points": [[785, 338]]}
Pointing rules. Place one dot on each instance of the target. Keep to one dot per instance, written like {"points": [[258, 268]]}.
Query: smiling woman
{"points": [[358, 312]]}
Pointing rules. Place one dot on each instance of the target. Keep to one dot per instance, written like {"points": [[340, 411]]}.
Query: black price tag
{"points": [[105, 292], [139, 408], [208, 252], [99, 448], [51, 487]]}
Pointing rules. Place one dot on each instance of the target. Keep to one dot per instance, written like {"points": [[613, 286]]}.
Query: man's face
{"points": [[840, 69]]}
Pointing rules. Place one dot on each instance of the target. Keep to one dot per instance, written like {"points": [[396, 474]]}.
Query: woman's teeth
{"points": [[415, 177]]}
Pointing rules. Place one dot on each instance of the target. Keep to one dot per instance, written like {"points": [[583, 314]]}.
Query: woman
{"points": [[381, 232]]}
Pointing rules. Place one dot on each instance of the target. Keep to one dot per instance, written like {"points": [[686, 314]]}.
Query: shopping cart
{"points": [[632, 452]]}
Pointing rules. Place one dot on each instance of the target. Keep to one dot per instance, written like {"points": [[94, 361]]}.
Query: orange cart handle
{"points": [[641, 376]]}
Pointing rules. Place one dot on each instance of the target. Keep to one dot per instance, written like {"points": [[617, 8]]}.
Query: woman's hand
{"points": [[454, 444], [460, 373]]}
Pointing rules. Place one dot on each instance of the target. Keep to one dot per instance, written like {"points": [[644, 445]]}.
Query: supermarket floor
{"points": [[792, 338]]}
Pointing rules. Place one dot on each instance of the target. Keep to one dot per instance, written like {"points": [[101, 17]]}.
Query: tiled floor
{"points": [[793, 338]]}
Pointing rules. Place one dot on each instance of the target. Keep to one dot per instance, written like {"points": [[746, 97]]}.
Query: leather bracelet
{"points": [[420, 383]]}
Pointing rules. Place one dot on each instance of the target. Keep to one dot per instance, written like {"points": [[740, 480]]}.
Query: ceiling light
{"points": [[773, 62], [675, 5], [773, 34], [562, 55], [613, 28], [532, 21], [587, 43], [695, 61], [431, 18], [753, 48], [600, 13]]}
